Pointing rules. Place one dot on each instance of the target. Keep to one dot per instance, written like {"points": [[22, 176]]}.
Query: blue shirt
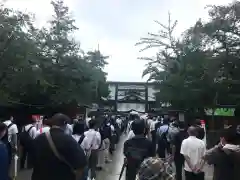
{"points": [[162, 129], [3, 162]]}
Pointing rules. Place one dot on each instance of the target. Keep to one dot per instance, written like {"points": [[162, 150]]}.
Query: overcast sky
{"points": [[116, 25]]}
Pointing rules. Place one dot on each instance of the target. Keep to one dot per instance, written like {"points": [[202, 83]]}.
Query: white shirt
{"points": [[85, 143], [43, 129], [32, 132], [13, 130], [119, 122], [130, 135], [129, 126], [112, 128], [69, 129], [152, 125], [94, 138], [195, 149]]}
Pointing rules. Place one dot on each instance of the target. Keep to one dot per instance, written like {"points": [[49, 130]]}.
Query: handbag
{"points": [[58, 155]]}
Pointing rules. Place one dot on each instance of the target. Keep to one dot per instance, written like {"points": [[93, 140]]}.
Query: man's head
{"points": [[3, 130], [78, 128], [138, 127], [60, 120], [166, 121], [198, 122], [230, 135], [91, 124], [181, 125], [192, 131], [11, 118]]}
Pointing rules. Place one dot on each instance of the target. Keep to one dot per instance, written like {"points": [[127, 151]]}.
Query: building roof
{"points": [[130, 83]]}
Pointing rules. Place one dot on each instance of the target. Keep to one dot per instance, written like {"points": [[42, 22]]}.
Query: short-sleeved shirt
{"points": [[47, 166], [130, 134], [32, 131], [93, 138], [11, 130], [193, 148]]}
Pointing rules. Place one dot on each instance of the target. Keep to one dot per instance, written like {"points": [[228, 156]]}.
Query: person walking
{"points": [[10, 138], [137, 149], [225, 157], [177, 157], [27, 135], [57, 155], [94, 139], [82, 140], [163, 141], [193, 150], [4, 159]]}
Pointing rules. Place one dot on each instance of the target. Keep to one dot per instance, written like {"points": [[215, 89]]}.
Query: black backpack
{"points": [[81, 139], [25, 138], [5, 137]]}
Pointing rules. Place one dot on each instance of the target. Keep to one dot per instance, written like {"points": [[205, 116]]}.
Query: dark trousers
{"points": [[92, 165], [26, 155], [131, 172], [193, 176], [154, 142], [179, 162], [162, 148]]}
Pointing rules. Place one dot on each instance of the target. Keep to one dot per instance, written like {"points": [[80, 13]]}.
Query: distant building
{"points": [[126, 96]]}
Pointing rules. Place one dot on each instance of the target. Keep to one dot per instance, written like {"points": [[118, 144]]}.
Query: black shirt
{"points": [[177, 142], [47, 166], [141, 143]]}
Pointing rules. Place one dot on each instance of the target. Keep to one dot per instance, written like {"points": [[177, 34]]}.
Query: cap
{"points": [[154, 168]]}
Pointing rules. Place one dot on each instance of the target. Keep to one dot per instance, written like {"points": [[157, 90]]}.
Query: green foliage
{"points": [[47, 67], [201, 67]]}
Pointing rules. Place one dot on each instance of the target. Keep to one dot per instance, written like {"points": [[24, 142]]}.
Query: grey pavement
{"points": [[112, 170]]}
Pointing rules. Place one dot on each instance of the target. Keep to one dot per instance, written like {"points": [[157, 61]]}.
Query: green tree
{"points": [[45, 67]]}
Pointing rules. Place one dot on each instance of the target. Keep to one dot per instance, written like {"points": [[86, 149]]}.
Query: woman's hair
{"points": [[154, 168], [78, 128]]}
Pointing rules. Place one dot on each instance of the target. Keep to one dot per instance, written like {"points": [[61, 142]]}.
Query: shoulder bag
{"points": [[57, 154]]}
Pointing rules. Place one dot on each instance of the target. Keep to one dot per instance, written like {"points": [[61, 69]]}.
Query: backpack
{"points": [[105, 132], [81, 139], [25, 138], [5, 137]]}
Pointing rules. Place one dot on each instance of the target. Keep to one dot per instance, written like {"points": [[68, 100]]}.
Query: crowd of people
{"points": [[75, 149], [156, 143], [62, 148]]}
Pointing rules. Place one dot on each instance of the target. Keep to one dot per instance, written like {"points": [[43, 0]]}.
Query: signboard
{"points": [[220, 112], [203, 124]]}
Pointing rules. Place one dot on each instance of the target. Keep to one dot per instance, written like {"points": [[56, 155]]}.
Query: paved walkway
{"points": [[112, 170]]}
